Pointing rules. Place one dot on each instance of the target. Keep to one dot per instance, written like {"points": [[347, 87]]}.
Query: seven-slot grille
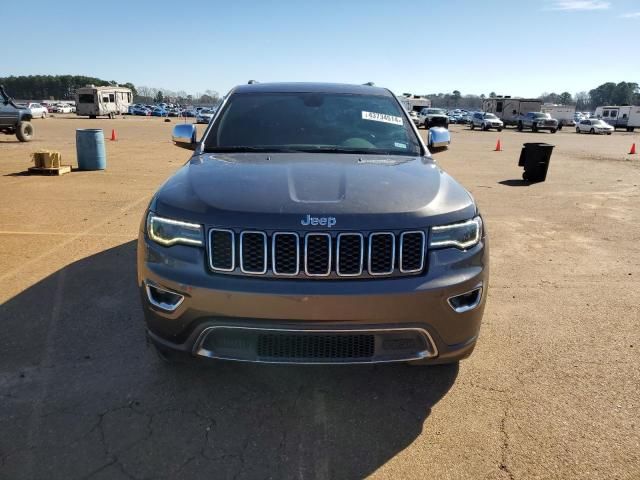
{"points": [[317, 254]]}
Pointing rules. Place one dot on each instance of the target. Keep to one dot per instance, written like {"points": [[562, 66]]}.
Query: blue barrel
{"points": [[90, 149]]}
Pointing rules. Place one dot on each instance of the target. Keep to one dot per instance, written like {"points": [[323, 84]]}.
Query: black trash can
{"points": [[535, 158]]}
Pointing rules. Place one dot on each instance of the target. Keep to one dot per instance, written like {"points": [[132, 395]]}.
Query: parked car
{"points": [[14, 119], [62, 108], [594, 125], [414, 117], [537, 121], [142, 111], [175, 112], [433, 117], [204, 115], [37, 110], [486, 121], [159, 112], [394, 269], [189, 113]]}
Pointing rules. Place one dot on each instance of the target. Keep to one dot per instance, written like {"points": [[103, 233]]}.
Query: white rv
{"points": [[95, 101], [563, 113], [508, 109], [626, 116], [414, 103]]}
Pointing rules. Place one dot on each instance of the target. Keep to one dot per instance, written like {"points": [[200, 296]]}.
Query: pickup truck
{"points": [[537, 121], [14, 120]]}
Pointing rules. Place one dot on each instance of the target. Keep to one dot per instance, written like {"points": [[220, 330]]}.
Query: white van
{"points": [[95, 101]]}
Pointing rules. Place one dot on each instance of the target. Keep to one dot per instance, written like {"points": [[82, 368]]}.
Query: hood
{"points": [[278, 191]]}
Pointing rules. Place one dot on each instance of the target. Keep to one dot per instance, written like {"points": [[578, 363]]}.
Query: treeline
{"points": [[156, 95], [52, 87], [610, 93]]}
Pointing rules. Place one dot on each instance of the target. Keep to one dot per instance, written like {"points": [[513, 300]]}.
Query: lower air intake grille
{"points": [[328, 347]]}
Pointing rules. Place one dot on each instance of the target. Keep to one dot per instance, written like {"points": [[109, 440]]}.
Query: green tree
{"points": [[492, 95], [159, 97], [566, 98]]}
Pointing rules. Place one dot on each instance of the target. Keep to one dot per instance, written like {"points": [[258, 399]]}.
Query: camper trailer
{"points": [[414, 103], [508, 109], [563, 113], [626, 116], [95, 101]]}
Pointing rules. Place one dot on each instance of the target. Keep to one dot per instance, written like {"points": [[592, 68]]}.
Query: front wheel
{"points": [[44, 115], [473, 127], [520, 127], [24, 131], [577, 129], [534, 127], [553, 130], [592, 131], [499, 129]]}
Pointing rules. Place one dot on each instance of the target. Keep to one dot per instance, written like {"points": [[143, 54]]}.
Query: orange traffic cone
{"points": [[633, 149], [113, 135], [498, 146]]}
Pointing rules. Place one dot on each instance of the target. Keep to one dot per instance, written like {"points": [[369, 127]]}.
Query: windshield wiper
{"points": [[355, 151], [239, 149]]}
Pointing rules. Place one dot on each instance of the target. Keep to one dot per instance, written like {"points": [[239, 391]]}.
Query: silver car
{"points": [[486, 121]]}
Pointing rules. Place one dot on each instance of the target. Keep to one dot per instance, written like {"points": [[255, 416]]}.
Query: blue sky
{"points": [[510, 47]]}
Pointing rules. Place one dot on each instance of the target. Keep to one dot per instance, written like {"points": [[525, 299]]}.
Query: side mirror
{"points": [[184, 135]]}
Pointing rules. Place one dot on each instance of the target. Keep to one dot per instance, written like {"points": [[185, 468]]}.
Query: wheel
{"points": [[553, 130], [525, 177], [520, 126], [473, 127], [484, 127], [499, 129], [577, 129], [92, 117], [560, 127], [534, 128], [592, 131], [44, 115], [112, 115], [24, 131], [609, 133]]}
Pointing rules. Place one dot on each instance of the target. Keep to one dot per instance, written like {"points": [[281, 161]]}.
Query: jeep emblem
{"points": [[323, 221]]}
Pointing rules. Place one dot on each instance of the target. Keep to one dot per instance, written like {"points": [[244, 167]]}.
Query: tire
{"points": [[578, 130], [609, 133], [92, 117], [534, 128], [553, 130], [473, 127], [499, 129], [560, 127], [24, 131], [44, 115], [484, 127], [520, 126], [592, 131]]}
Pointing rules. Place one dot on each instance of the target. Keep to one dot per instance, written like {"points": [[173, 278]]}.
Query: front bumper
{"points": [[241, 318]]}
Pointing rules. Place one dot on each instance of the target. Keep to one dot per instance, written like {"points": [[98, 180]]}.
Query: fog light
{"points": [[467, 301], [162, 298]]}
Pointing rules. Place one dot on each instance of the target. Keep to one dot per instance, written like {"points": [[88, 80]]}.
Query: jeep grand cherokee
{"points": [[311, 225]]}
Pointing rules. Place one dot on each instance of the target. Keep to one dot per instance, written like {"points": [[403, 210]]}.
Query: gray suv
{"points": [[14, 120], [311, 225], [537, 121]]}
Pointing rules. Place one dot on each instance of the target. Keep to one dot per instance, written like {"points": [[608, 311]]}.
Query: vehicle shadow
{"points": [[85, 397], [515, 183]]}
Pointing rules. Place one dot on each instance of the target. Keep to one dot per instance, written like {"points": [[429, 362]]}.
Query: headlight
{"points": [[168, 232], [460, 235]]}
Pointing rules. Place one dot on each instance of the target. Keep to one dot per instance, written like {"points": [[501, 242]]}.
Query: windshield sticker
{"points": [[400, 145], [381, 117]]}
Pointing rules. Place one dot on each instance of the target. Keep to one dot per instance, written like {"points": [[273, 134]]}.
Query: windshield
{"points": [[435, 111], [598, 122], [541, 115], [489, 115], [312, 122]]}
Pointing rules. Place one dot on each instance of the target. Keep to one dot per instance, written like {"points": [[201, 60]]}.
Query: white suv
{"points": [[37, 110], [486, 121]]}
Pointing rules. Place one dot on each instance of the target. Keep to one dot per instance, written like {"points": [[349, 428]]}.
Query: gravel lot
{"points": [[552, 390]]}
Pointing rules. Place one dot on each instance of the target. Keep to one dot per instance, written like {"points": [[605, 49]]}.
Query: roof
{"points": [[311, 87]]}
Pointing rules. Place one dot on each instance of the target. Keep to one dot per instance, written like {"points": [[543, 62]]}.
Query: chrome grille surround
{"points": [[264, 258], [319, 255], [233, 250]]}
